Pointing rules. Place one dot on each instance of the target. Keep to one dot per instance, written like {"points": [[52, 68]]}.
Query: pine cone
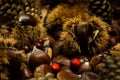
{"points": [[11, 9], [101, 9], [111, 70]]}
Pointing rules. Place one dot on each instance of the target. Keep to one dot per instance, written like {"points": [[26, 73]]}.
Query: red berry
{"points": [[55, 67], [38, 45], [40, 41], [26, 48], [75, 62]]}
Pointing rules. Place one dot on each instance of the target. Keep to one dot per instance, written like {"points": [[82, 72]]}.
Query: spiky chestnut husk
{"points": [[28, 35], [101, 9], [69, 37], [58, 15], [10, 62], [56, 18], [100, 40], [7, 41], [3, 65], [111, 70], [97, 41]]}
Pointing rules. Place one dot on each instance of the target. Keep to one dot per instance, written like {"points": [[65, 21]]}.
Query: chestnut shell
{"points": [[42, 70], [38, 57], [27, 19], [14, 60], [81, 33]]}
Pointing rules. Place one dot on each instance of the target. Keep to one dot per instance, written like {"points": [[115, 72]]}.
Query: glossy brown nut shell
{"points": [[38, 57], [95, 60], [81, 32], [85, 67], [14, 60], [27, 19], [62, 60]]}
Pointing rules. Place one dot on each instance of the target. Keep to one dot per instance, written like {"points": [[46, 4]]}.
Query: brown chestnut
{"points": [[11, 62], [38, 57], [14, 60], [85, 67], [42, 70], [27, 19], [96, 59], [81, 32], [67, 74], [80, 64], [62, 60]]}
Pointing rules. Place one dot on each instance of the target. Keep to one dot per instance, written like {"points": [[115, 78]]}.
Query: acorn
{"points": [[27, 19], [38, 57], [42, 70]]}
